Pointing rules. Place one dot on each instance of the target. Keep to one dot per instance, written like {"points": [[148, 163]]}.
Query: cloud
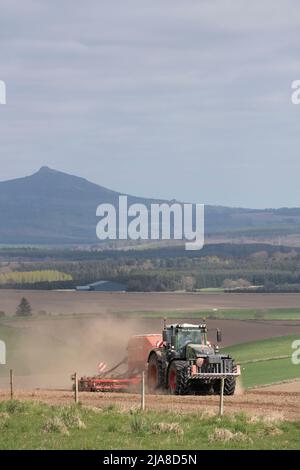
{"points": [[154, 98]]}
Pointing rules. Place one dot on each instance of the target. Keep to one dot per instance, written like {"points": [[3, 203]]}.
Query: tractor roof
{"points": [[186, 325]]}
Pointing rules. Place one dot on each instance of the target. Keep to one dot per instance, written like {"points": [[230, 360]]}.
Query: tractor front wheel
{"points": [[229, 386], [178, 378]]}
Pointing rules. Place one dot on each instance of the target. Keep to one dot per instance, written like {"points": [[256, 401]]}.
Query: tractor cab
{"points": [[178, 337]]}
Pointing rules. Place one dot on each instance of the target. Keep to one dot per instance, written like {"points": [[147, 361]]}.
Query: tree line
{"points": [[230, 268]]}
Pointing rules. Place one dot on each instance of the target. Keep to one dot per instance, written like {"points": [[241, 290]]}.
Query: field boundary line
{"points": [[275, 358], [280, 382]]}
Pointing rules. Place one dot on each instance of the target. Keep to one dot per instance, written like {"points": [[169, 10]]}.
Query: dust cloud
{"points": [[48, 352]]}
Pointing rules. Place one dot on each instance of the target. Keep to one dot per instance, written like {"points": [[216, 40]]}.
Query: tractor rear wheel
{"points": [[155, 373], [178, 378]]}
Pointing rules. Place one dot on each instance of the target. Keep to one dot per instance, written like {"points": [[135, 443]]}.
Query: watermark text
{"points": [[2, 353], [296, 353], [153, 222], [2, 92], [295, 96]]}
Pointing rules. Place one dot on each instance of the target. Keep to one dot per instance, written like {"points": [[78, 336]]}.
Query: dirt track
{"points": [[285, 405], [108, 302]]}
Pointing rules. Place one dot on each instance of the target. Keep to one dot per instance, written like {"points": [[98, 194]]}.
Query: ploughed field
{"points": [[260, 402], [258, 330], [44, 352], [70, 302]]}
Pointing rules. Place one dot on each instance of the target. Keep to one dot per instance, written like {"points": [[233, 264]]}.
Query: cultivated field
{"points": [[81, 329], [68, 302], [44, 352], [259, 402]]}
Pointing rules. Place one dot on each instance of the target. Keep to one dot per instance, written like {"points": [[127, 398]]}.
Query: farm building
{"points": [[103, 286]]}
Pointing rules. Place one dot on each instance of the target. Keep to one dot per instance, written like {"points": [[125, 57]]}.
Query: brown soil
{"points": [[81, 343], [290, 386], [51, 349], [273, 405], [105, 302]]}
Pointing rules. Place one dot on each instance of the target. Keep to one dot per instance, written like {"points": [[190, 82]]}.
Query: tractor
{"points": [[186, 363], [180, 360]]}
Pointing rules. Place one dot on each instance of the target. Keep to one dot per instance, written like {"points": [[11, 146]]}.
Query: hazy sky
{"points": [[186, 99]]}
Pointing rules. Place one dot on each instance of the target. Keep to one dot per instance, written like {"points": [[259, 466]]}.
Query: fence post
{"points": [[221, 405], [76, 387], [143, 391], [11, 382]]}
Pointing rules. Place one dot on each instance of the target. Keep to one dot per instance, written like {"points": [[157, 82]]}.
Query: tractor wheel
{"points": [[230, 383], [229, 386], [178, 378], [155, 373]]}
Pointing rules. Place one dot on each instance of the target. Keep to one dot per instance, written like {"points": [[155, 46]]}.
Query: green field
{"points": [[272, 314], [33, 425], [269, 372], [271, 366], [30, 277], [212, 290]]}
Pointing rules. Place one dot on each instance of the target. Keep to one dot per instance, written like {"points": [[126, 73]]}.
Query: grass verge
{"points": [[271, 314], [33, 425]]}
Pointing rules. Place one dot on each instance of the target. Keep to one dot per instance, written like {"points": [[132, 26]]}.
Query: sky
{"points": [[187, 100]]}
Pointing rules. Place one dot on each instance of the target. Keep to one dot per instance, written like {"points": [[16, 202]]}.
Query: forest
{"points": [[230, 267]]}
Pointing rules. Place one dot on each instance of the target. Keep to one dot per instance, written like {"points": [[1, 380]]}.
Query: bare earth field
{"points": [[293, 386], [285, 405], [50, 349], [54, 347], [105, 302], [105, 330]]}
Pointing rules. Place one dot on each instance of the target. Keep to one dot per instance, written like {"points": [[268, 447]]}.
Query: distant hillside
{"points": [[52, 207]]}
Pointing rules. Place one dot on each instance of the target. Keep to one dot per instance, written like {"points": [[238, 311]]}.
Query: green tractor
{"points": [[186, 363]]}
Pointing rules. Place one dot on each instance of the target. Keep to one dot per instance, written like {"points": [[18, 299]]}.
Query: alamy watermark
{"points": [[295, 96], [2, 92], [153, 222], [2, 353], [296, 353]]}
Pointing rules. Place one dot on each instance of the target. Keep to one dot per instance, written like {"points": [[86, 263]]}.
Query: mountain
{"points": [[52, 207]]}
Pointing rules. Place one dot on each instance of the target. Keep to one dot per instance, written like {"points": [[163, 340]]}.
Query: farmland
{"points": [[43, 352], [79, 329], [31, 277], [82, 328], [142, 268], [69, 302], [267, 361]]}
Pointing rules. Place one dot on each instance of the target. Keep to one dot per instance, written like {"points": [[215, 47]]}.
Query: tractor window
{"points": [[195, 336]]}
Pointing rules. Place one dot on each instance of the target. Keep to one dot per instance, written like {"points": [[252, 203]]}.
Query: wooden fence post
{"points": [[11, 382], [221, 405], [75, 387], [143, 392]]}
